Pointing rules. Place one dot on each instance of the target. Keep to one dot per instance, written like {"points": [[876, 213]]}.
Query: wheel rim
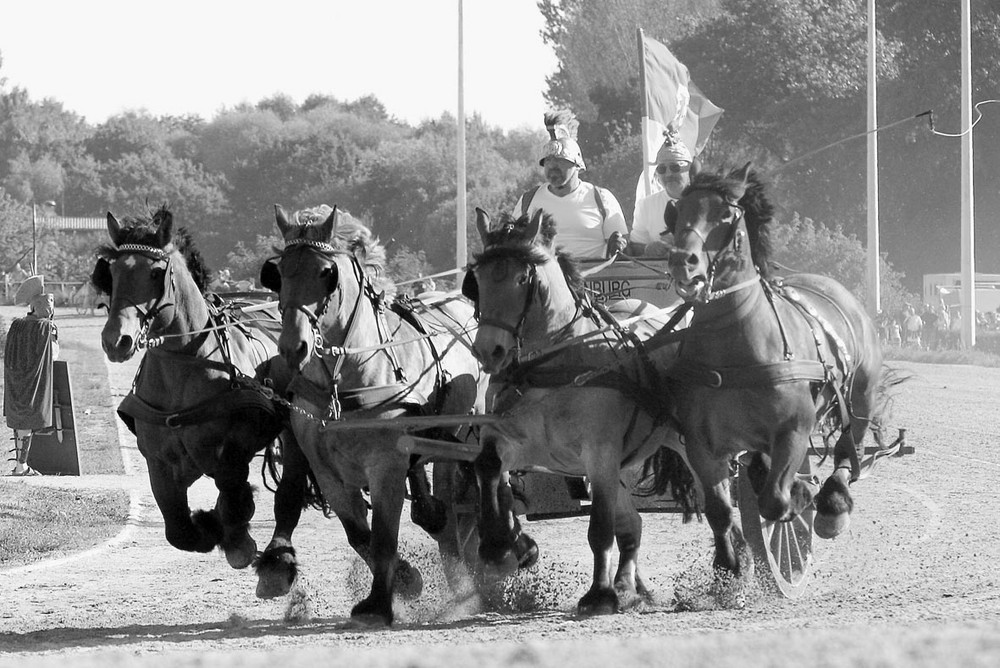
{"points": [[788, 546]]}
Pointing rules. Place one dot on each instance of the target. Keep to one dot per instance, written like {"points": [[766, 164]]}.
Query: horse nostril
{"points": [[499, 352], [692, 260], [125, 342]]}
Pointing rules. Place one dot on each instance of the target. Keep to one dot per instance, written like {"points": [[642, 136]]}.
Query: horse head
{"points": [[137, 272], [512, 283], [311, 275], [717, 227]]}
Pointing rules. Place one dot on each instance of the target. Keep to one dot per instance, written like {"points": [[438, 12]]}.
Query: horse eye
{"points": [[156, 274], [522, 279], [326, 272]]}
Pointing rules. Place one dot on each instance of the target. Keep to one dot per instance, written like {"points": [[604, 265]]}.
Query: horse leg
{"points": [[628, 535], [277, 567], [387, 492], [235, 504], [834, 503], [783, 495], [498, 526], [200, 532], [602, 599], [714, 477], [427, 512]]}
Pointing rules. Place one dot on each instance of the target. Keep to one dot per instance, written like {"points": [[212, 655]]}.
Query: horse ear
{"points": [[482, 224], [270, 275], [470, 287], [670, 216], [101, 276], [281, 218], [329, 226], [114, 229], [534, 226], [165, 222], [742, 175]]}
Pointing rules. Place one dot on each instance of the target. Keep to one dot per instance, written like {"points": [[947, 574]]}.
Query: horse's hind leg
{"points": [[200, 533], [277, 567], [427, 512]]}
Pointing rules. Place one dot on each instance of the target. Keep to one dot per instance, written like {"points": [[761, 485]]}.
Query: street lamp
{"points": [[34, 233]]}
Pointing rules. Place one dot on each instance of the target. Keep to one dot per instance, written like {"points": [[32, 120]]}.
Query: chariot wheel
{"points": [[786, 547]]}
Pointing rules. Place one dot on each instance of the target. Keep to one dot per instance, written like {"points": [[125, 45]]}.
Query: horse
{"points": [[763, 362], [571, 394], [195, 406], [362, 356]]}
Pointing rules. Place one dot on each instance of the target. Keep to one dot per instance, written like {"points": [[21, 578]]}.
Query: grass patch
{"points": [[39, 522]]}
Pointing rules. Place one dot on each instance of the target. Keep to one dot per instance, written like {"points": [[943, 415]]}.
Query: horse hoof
{"points": [[276, 572], [430, 514], [408, 582], [241, 554], [833, 509], [831, 526], [372, 613], [526, 550], [599, 602]]}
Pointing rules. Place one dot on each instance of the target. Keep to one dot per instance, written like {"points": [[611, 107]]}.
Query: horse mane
{"points": [[142, 229], [509, 241], [758, 212], [352, 236]]}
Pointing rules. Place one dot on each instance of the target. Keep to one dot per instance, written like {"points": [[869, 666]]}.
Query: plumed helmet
{"points": [[673, 149], [562, 126], [29, 289]]}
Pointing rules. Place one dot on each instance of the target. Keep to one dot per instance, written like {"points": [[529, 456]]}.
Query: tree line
{"points": [[790, 74]]}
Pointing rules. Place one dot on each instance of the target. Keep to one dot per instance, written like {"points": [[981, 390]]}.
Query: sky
{"points": [[100, 58]]}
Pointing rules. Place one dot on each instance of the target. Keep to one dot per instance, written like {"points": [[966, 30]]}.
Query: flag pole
{"points": [[874, 285], [644, 105], [460, 179]]}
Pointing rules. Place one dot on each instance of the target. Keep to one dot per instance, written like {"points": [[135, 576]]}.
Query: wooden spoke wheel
{"points": [[786, 547]]}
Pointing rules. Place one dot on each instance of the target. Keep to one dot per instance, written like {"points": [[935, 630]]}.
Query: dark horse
{"points": [[363, 356], [570, 393], [763, 362], [192, 406]]}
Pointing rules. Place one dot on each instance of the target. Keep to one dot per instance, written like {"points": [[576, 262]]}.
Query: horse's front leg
{"points": [[782, 496], [200, 532], [277, 567], [235, 503], [834, 503], [387, 489], [498, 526], [628, 535], [602, 599], [714, 476]]}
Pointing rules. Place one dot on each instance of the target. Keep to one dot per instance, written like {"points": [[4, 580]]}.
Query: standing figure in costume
{"points": [[675, 165], [32, 345], [589, 220]]}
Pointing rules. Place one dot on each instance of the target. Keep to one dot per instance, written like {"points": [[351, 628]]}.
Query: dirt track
{"points": [[914, 583]]}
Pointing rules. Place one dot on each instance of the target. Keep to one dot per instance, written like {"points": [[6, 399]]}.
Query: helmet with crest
{"points": [[561, 126]]}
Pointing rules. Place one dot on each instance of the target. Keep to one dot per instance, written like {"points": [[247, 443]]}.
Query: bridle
{"points": [[731, 246], [166, 298]]}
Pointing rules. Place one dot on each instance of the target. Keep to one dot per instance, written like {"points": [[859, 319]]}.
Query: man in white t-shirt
{"points": [[589, 220], [674, 169]]}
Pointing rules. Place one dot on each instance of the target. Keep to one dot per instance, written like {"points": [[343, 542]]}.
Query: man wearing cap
{"points": [[32, 345], [589, 219], [675, 165]]}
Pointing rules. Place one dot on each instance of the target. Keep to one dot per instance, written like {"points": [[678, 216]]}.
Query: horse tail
{"points": [[666, 471], [890, 379], [312, 497]]}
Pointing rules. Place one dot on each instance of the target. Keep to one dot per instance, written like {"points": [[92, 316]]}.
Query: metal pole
{"points": [[461, 252], [34, 239], [874, 286], [644, 116], [968, 273]]}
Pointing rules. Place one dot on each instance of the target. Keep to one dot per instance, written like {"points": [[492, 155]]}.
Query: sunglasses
{"points": [[674, 167]]}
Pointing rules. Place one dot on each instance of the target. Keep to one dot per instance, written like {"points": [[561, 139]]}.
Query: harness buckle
{"points": [[170, 421]]}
